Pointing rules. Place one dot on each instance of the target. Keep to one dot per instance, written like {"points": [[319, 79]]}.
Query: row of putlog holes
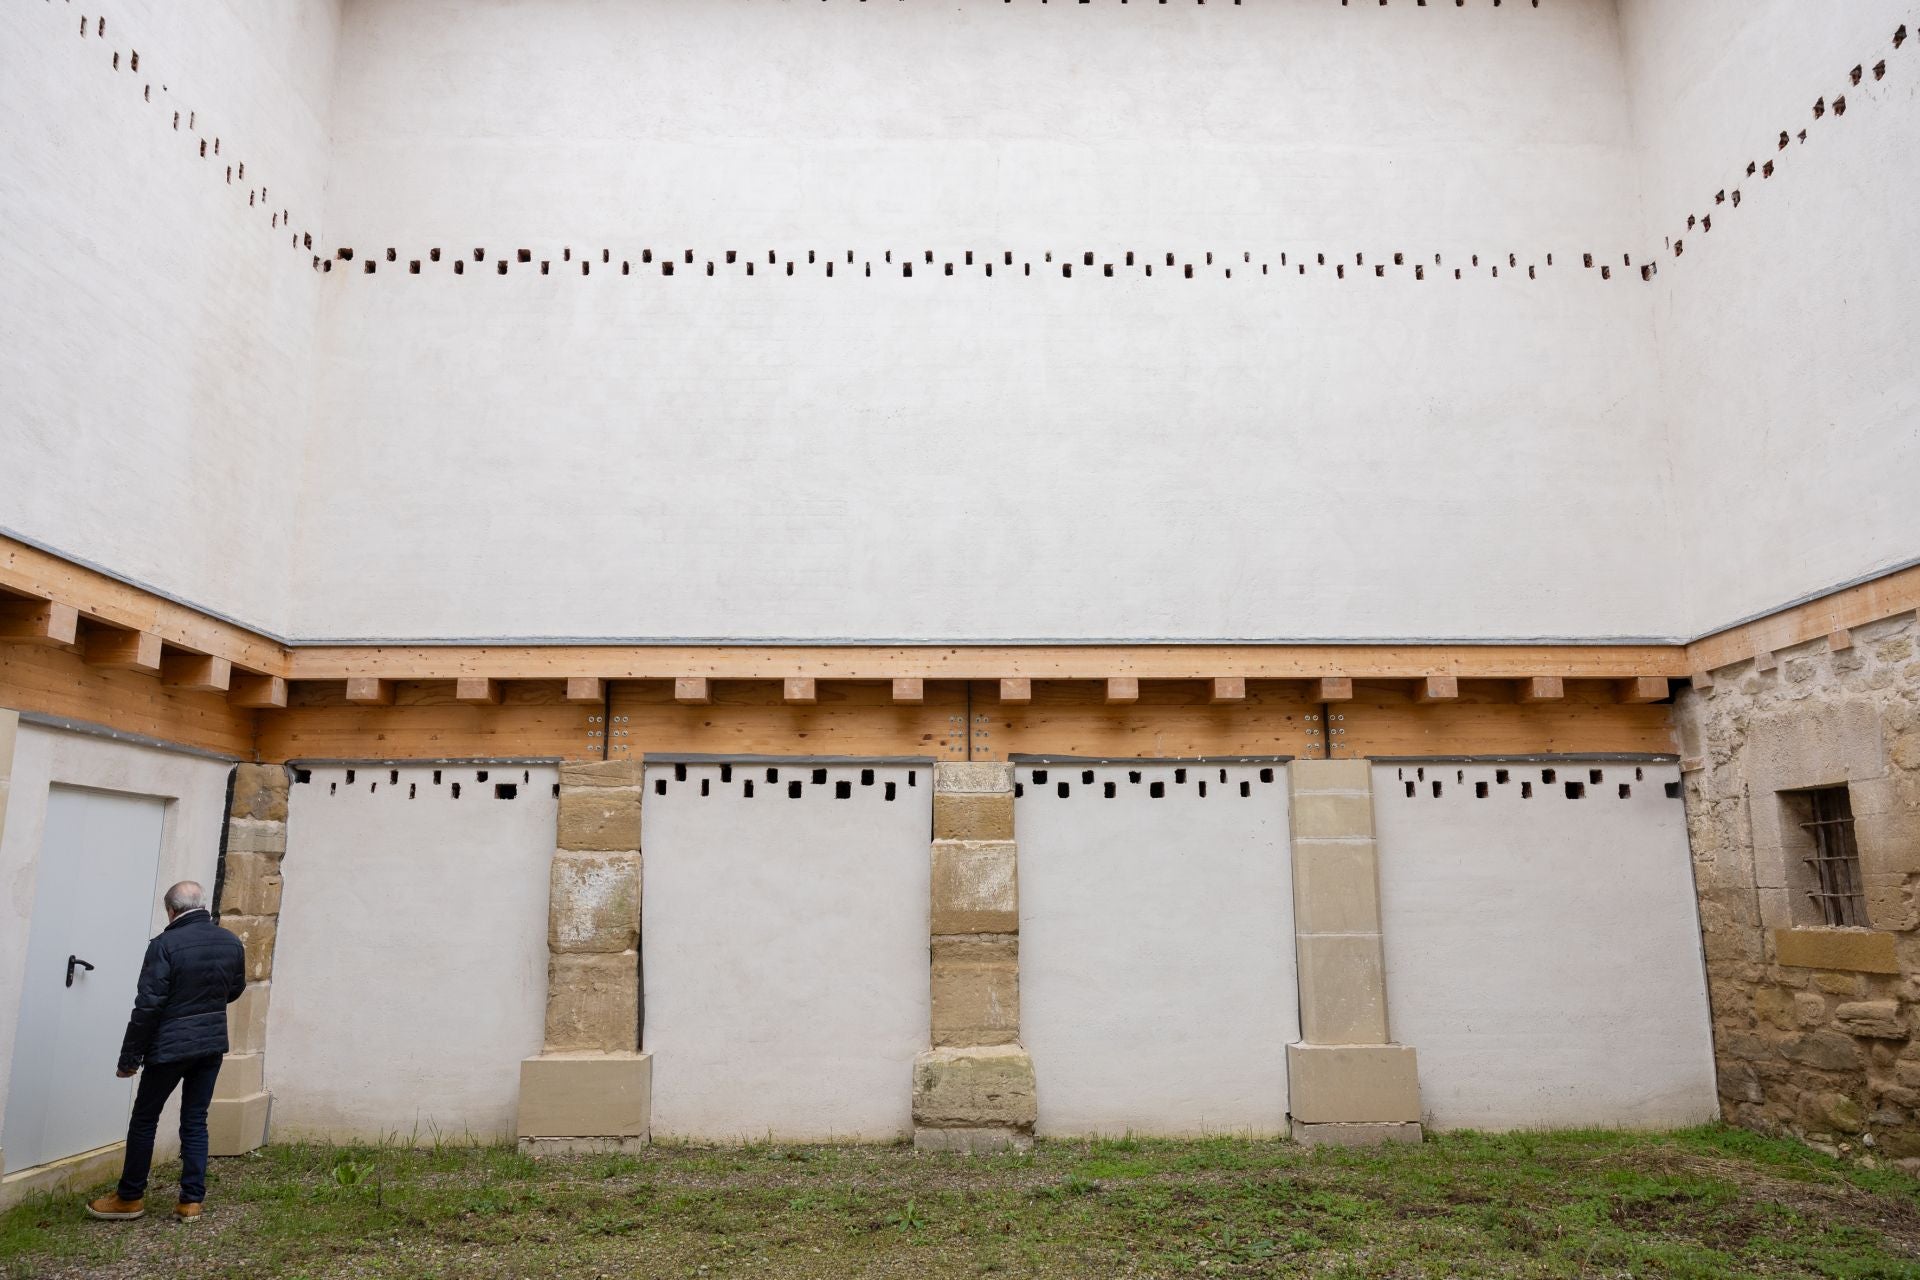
{"points": [[1572, 788]]}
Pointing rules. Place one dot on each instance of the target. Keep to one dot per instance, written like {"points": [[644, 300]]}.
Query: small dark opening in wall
{"points": [[480, 775], [456, 791], [1547, 776], [1109, 790], [1410, 790], [1246, 788], [659, 786], [1420, 773], [773, 775], [499, 267], [679, 773], [523, 255], [1526, 791], [1266, 775], [1437, 786], [842, 790], [889, 792], [1039, 775], [393, 776], [1223, 775], [413, 266], [1576, 791], [1133, 776], [1839, 106], [556, 791], [1203, 788], [1063, 790], [350, 774], [1086, 776], [413, 790], [303, 775], [1460, 775], [1180, 776], [1673, 790], [793, 789], [819, 777], [506, 790], [1596, 777], [1019, 789], [1880, 69], [436, 777], [726, 773], [1157, 790], [1501, 776], [1480, 791], [913, 777], [746, 788], [333, 788], [866, 777], [1626, 791]]}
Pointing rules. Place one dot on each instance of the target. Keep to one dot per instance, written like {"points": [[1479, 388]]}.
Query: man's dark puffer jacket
{"points": [[192, 972]]}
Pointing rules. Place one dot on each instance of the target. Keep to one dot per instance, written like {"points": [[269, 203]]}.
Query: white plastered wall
{"points": [[156, 339], [1157, 989], [1786, 332], [195, 788], [410, 975], [784, 949], [1230, 447], [1543, 952]]}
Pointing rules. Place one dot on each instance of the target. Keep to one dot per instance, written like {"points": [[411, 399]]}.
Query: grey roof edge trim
{"points": [[67, 724]]}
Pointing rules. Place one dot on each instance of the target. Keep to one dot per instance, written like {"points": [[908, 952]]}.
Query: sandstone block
{"points": [[1306, 776], [241, 1075], [1331, 815], [602, 773], [250, 885], [247, 1019], [975, 983], [260, 792], [982, 778], [1832, 1112], [971, 1142], [599, 818], [1825, 1050], [973, 815], [974, 1088], [1336, 886], [593, 902], [593, 1002], [1774, 1005], [1340, 1134], [586, 1095], [975, 887], [256, 835], [1855, 950], [1342, 989], [257, 934], [236, 1126], [1838, 984], [1873, 1019], [1889, 845], [1809, 1010], [1373, 1083], [1814, 743]]}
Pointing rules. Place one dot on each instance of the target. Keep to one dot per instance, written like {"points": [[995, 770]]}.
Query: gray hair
{"points": [[185, 896]]}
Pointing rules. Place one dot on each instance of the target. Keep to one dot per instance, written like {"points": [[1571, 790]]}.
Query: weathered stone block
{"points": [[236, 1126], [1306, 776], [1839, 984], [1374, 1083], [1336, 886], [256, 934], [1824, 1050], [256, 835], [1814, 744], [1340, 1134], [975, 887], [594, 902], [247, 1019], [975, 984], [971, 1142], [599, 818], [1774, 1005], [1342, 989], [1809, 1009], [1874, 1019], [974, 1088], [260, 792], [250, 885], [593, 1002], [241, 1075], [626, 774], [981, 778], [586, 1095], [973, 815], [1857, 950], [1832, 1112], [1331, 815]]}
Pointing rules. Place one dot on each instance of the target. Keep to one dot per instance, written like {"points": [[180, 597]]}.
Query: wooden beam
{"points": [[1437, 688], [365, 691], [1542, 689], [1764, 660], [586, 689], [1840, 640], [1229, 689], [1701, 680], [1173, 718], [52, 680], [798, 689], [122, 650], [1016, 690], [1641, 689], [692, 689], [1331, 689], [261, 693], [909, 689], [1122, 689], [477, 689], [1855, 606], [196, 671], [38, 622]]}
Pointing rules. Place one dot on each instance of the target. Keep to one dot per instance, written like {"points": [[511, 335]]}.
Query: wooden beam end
{"points": [[367, 692], [801, 689], [910, 689], [1016, 690], [1228, 689], [478, 690], [1543, 689], [1123, 689], [1332, 689], [197, 672], [1638, 690], [1437, 688], [259, 693], [692, 689], [586, 689]]}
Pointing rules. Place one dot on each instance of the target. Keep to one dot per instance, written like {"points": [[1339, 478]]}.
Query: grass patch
{"points": [[1707, 1202]]}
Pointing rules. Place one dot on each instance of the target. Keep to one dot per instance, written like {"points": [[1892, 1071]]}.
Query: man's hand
{"points": [[126, 1073]]}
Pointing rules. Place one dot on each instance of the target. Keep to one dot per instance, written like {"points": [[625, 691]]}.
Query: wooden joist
{"points": [[122, 650], [1437, 688], [196, 671], [1122, 689], [38, 622], [259, 693], [1641, 689], [692, 689], [477, 689], [363, 691], [1229, 689], [1332, 689], [798, 689], [1016, 690], [1543, 689], [586, 689], [909, 689]]}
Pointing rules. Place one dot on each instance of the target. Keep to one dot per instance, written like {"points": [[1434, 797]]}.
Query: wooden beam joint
{"points": [[1121, 689], [39, 622], [195, 671], [114, 650]]}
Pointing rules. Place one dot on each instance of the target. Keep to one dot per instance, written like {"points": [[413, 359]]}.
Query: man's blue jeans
{"points": [[196, 1076]]}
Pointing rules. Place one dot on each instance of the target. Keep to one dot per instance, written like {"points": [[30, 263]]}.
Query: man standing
{"points": [[178, 1034]]}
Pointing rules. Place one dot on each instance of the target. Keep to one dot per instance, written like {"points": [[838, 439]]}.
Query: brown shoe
{"points": [[185, 1212], [113, 1209]]}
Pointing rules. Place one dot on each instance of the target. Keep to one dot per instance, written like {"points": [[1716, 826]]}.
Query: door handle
{"points": [[72, 963]]}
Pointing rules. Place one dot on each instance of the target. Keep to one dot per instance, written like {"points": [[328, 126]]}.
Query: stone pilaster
{"points": [[249, 905], [1347, 1082], [591, 1086], [973, 1090]]}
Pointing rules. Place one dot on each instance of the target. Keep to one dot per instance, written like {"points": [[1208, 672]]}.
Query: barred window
{"points": [[1832, 857]]}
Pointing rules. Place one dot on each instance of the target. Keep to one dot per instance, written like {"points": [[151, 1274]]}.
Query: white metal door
{"points": [[99, 858]]}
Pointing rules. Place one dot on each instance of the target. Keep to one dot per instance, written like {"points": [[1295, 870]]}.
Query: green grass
{"points": [[1701, 1203]]}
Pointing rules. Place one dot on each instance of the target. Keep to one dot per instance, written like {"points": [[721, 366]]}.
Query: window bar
{"points": [[1836, 859]]}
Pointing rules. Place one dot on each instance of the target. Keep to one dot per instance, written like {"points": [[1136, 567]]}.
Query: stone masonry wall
{"points": [[1813, 1026], [249, 905]]}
